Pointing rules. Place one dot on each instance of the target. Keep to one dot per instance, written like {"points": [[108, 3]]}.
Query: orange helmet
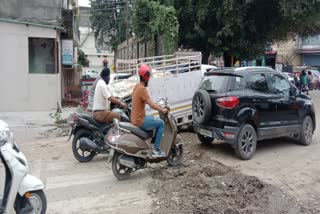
{"points": [[145, 72]]}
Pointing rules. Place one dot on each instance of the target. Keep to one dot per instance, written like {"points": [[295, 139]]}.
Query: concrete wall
{"points": [[36, 10], [19, 90]]}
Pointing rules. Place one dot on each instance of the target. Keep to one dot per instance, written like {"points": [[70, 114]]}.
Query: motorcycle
{"points": [[305, 89], [131, 146], [310, 84], [23, 193], [88, 140]]}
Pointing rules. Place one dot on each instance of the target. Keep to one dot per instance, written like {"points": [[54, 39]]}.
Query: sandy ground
{"points": [[72, 187], [30, 126], [282, 162]]}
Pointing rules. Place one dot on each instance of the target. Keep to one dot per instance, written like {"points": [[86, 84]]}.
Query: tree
{"points": [[243, 28], [152, 20], [82, 59], [109, 21]]}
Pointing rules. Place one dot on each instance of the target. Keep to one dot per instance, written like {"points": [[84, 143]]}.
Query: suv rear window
{"points": [[221, 83]]}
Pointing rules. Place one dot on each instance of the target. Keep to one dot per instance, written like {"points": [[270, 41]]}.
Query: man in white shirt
{"points": [[102, 100], [93, 87]]}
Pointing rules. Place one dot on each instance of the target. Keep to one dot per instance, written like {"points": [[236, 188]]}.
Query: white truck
{"points": [[175, 77]]}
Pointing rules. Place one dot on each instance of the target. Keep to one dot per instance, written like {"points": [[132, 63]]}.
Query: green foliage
{"points": [[243, 28], [152, 20], [109, 21], [82, 58]]}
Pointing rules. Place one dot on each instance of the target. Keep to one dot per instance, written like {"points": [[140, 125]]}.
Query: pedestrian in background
{"points": [[296, 81], [310, 80], [303, 79]]}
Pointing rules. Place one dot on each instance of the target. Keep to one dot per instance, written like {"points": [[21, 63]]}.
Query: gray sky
{"points": [[84, 3]]}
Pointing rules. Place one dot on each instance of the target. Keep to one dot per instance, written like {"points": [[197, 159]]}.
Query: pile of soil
{"points": [[206, 186]]}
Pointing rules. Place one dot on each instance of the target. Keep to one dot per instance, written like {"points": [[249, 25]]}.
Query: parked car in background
{"points": [[289, 76], [92, 73], [115, 77], [205, 68], [244, 105]]}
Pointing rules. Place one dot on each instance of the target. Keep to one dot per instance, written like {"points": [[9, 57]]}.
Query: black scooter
{"points": [[88, 140]]}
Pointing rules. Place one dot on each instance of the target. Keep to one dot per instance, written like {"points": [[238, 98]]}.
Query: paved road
{"points": [[294, 168], [72, 187]]}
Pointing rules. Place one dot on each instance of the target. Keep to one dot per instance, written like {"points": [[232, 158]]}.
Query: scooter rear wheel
{"points": [[80, 154], [120, 172], [175, 156]]}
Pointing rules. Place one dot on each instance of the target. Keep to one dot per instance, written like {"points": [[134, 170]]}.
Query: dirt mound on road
{"points": [[210, 187]]}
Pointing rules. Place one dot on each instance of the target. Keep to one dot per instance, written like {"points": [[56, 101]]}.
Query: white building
{"points": [[88, 46], [95, 53], [30, 69]]}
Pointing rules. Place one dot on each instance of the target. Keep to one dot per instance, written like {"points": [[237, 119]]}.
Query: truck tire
{"points": [[201, 107]]}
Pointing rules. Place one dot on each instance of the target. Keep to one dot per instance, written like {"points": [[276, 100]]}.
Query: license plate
{"points": [[206, 133]]}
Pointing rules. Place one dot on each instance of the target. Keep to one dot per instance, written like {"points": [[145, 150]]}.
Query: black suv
{"points": [[244, 105]]}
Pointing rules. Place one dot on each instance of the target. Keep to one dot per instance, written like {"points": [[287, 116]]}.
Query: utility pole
{"points": [[127, 25]]}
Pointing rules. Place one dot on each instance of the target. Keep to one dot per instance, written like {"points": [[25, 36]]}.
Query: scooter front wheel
{"points": [[120, 172], [33, 202]]}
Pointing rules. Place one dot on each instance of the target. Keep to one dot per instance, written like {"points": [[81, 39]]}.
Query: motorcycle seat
{"points": [[92, 120], [137, 131]]}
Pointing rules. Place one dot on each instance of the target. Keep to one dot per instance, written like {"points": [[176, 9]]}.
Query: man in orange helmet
{"points": [[140, 98]]}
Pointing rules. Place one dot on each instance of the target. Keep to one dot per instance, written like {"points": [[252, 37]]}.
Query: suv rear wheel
{"points": [[205, 140], [306, 131], [246, 143]]}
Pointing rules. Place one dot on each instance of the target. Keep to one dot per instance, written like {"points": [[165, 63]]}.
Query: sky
{"points": [[84, 3]]}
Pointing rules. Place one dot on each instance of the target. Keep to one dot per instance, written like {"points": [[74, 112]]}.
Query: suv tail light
{"points": [[228, 102]]}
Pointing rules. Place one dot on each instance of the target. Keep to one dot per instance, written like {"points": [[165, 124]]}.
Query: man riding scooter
{"points": [[140, 98]]}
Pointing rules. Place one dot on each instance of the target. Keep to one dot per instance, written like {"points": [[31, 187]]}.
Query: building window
{"points": [[42, 56]]}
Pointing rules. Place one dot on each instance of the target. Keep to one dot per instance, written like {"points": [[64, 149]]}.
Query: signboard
{"points": [[67, 52]]}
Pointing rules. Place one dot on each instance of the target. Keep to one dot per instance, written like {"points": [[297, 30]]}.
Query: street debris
{"points": [[211, 187], [61, 126]]}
